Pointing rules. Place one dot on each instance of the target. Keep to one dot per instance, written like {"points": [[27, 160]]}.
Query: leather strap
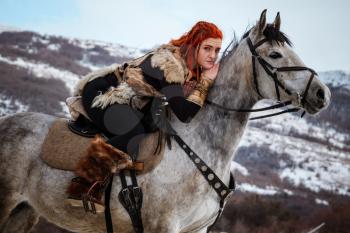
{"points": [[131, 198], [108, 218], [223, 191], [214, 181]]}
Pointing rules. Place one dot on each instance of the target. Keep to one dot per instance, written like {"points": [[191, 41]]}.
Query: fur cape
{"points": [[133, 89]]}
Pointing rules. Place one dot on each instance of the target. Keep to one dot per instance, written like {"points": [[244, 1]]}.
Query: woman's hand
{"points": [[211, 73]]}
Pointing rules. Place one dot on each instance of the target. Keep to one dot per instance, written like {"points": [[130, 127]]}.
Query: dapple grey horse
{"points": [[176, 196]]}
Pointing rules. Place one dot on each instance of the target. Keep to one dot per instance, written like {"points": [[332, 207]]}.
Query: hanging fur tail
{"points": [[94, 170]]}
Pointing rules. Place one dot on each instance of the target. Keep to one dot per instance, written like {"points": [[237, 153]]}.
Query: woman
{"points": [[119, 101]]}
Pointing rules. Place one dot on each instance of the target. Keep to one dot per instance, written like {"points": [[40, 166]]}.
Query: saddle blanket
{"points": [[62, 149]]}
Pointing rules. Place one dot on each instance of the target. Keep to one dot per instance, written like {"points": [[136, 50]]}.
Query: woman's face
{"points": [[208, 52]]}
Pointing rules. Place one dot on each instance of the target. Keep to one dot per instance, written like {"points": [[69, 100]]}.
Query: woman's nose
{"points": [[212, 55]]}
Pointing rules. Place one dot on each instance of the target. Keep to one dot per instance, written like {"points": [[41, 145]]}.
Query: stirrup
{"points": [[90, 205], [90, 200]]}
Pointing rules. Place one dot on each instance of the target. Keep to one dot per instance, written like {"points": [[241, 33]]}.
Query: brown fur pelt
{"points": [[101, 160]]}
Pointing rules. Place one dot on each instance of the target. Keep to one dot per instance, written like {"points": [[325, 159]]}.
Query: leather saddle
{"points": [[83, 127]]}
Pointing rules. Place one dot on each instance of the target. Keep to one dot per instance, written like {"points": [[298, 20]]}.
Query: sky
{"points": [[319, 30]]}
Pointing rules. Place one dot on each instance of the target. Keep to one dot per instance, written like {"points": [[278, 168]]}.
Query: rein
{"points": [[272, 72]]}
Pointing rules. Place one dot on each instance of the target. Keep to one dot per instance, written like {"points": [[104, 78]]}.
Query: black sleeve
{"points": [[183, 109]]}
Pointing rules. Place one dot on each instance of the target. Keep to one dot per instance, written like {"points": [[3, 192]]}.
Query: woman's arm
{"points": [[184, 109]]}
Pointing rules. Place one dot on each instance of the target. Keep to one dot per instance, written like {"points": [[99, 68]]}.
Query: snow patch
{"points": [[86, 63], [269, 190], [40, 39], [238, 167], [32, 50], [54, 47], [113, 49], [321, 202], [9, 105]]}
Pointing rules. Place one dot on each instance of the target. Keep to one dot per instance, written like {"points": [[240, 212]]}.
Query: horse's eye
{"points": [[275, 55]]}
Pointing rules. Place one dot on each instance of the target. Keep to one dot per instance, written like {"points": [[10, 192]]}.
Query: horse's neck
{"points": [[213, 134]]}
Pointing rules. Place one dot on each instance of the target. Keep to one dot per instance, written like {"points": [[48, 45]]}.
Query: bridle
{"points": [[272, 72]]}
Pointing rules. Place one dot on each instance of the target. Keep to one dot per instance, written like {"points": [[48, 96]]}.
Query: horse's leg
{"points": [[18, 144], [5, 210], [8, 200], [21, 219]]}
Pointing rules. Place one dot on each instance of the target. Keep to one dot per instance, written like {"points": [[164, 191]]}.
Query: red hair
{"points": [[190, 41]]}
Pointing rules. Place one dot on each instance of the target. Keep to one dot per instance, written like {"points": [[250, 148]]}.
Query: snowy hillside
{"points": [[336, 78], [30, 61], [314, 157], [310, 153]]}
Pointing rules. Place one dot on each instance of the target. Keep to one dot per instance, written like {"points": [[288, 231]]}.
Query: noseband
{"points": [[272, 72]]}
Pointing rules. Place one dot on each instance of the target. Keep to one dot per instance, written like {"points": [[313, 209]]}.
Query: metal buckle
{"points": [[299, 98], [137, 192], [126, 198], [134, 201]]}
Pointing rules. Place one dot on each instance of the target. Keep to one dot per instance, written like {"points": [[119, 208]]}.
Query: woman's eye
{"points": [[275, 55], [207, 49]]}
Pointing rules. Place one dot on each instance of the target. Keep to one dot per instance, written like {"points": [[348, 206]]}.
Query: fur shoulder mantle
{"points": [[168, 59]]}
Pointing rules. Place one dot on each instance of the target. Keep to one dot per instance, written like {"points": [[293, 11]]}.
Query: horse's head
{"points": [[279, 73]]}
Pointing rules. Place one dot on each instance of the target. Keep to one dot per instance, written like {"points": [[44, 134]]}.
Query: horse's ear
{"points": [[262, 21], [277, 22]]}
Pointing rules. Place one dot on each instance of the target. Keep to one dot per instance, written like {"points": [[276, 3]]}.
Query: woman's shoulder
{"points": [[168, 59]]}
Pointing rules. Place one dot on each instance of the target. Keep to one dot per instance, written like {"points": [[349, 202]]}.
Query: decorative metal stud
{"points": [[223, 192], [210, 176]]}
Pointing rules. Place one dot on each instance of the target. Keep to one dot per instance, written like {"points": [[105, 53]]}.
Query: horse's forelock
{"points": [[273, 34]]}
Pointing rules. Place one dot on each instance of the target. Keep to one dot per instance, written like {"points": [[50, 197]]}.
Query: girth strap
{"points": [[130, 197]]}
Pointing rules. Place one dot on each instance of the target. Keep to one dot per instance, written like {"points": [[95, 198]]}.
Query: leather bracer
{"points": [[200, 92]]}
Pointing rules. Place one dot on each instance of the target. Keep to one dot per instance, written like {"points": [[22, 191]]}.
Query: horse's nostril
{"points": [[320, 94]]}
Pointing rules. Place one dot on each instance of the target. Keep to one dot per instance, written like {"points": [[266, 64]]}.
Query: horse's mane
{"points": [[270, 32]]}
